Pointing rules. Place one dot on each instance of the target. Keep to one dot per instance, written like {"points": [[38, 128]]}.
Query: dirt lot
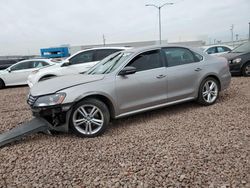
{"points": [[185, 145]]}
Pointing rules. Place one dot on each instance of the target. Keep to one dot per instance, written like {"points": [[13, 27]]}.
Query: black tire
{"points": [[246, 70], [2, 84], [202, 98], [46, 78], [83, 129]]}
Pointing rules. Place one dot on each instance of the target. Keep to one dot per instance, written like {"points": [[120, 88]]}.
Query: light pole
{"points": [[249, 31], [232, 34], [159, 9]]}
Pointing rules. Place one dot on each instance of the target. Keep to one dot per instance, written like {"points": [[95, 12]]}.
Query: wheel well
{"points": [[46, 76], [216, 78], [1, 80], [106, 101], [244, 65]]}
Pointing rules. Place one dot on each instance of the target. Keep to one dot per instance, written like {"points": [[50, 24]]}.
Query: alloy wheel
{"points": [[247, 70], [88, 119], [210, 91]]}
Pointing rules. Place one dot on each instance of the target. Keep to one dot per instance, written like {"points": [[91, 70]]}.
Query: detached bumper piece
{"points": [[34, 126]]}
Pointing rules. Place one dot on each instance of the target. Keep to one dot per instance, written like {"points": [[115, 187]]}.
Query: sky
{"points": [[28, 25]]}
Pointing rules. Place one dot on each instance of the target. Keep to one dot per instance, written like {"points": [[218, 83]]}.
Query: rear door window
{"points": [[179, 56], [38, 64], [220, 49]]}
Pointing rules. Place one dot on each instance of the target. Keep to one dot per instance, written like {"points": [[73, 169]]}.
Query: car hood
{"points": [[231, 55], [51, 66], [59, 83]]}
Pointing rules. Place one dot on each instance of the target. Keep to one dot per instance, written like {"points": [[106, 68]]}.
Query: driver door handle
{"points": [[197, 69], [161, 76]]}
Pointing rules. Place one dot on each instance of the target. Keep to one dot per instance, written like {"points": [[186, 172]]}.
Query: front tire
{"points": [[2, 85], [246, 69], [208, 91], [89, 118]]}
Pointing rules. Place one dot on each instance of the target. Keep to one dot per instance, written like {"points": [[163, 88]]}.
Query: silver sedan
{"points": [[127, 83]]}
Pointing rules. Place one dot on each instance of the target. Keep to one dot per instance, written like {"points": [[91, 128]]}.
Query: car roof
{"points": [[153, 47], [98, 48], [106, 48], [36, 59], [216, 45]]}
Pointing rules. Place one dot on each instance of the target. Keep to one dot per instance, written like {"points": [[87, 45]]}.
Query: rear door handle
{"points": [[161, 76], [198, 69]]}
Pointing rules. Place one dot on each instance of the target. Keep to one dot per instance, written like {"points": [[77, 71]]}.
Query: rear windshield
{"points": [[244, 48]]}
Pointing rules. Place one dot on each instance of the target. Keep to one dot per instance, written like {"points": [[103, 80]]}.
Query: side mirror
{"points": [[127, 70], [9, 70], [66, 63]]}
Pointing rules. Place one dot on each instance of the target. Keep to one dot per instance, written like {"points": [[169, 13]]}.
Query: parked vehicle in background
{"points": [[216, 49], [18, 73], [239, 60], [5, 63], [126, 83], [80, 62]]}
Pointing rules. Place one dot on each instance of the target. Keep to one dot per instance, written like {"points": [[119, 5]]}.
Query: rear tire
{"points": [[208, 91], [2, 84], [246, 70], [89, 118]]}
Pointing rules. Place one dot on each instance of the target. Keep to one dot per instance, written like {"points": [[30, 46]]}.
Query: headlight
{"points": [[50, 100], [236, 61]]}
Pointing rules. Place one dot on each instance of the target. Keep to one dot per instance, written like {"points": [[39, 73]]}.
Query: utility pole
{"points": [[249, 32], [232, 34], [236, 37], [159, 9], [104, 40]]}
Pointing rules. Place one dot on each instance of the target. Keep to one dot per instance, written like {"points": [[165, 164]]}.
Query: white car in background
{"points": [[216, 49], [80, 62], [18, 73]]}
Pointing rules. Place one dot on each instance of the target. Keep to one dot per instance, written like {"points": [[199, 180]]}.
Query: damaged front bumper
{"points": [[56, 116], [34, 126], [45, 119]]}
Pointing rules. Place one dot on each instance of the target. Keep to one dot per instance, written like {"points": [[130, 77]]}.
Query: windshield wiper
{"points": [[110, 68]]}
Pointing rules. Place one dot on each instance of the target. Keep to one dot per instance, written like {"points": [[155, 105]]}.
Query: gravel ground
{"points": [[180, 146]]}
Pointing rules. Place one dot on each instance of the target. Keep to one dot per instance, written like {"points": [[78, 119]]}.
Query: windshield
{"points": [[110, 63], [242, 48]]}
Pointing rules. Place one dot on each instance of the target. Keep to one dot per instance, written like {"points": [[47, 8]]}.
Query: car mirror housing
{"points": [[127, 70], [66, 63], [9, 70]]}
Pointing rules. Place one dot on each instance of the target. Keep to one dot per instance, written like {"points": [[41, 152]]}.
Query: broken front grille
{"points": [[31, 100]]}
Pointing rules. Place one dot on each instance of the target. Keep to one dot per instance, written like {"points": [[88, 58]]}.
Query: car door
{"points": [[184, 69], [79, 63], [18, 74], [147, 87]]}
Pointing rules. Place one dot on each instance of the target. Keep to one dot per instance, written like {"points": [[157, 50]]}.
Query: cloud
{"points": [[28, 25]]}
